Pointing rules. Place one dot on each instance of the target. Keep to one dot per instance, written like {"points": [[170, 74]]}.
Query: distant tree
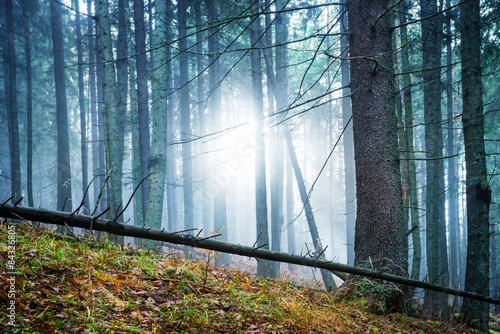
{"points": [[63, 156], [477, 185], [215, 108], [437, 260], [380, 240], [451, 149], [349, 170], [411, 187], [142, 96], [311, 222], [263, 267], [93, 102], [185, 110], [81, 103]]}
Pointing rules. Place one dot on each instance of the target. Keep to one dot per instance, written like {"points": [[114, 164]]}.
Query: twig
{"points": [[132, 196], [8, 199], [100, 194]]}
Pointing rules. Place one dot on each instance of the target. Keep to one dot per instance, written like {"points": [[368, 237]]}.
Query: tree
{"points": [[83, 114], [142, 96], [477, 187], [437, 262], [63, 159], [158, 152], [263, 267], [451, 150], [313, 229], [12, 110], [112, 119], [93, 102], [185, 110], [380, 239], [349, 170], [411, 189], [29, 102]]}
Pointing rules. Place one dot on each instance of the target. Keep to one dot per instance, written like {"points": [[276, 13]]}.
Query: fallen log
{"points": [[90, 223]]}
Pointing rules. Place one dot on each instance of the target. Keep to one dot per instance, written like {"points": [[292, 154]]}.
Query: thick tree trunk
{"points": [[63, 158], [477, 188], [380, 240]]}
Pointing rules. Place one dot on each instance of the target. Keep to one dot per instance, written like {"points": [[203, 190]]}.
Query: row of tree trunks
{"points": [[87, 222]]}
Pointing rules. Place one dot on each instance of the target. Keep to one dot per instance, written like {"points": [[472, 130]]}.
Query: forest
{"points": [[363, 133]]}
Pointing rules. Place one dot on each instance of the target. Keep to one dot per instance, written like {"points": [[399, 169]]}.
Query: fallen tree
{"points": [[188, 239]]}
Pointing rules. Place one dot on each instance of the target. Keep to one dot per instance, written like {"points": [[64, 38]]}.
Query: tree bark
{"points": [[380, 239], [477, 187]]}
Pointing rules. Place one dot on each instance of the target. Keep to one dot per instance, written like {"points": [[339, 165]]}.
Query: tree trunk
{"points": [[93, 101], [170, 177], [185, 110], [63, 158], [12, 109], [437, 263], [380, 239], [29, 102], [113, 120], [318, 248], [451, 149], [477, 188], [408, 128], [202, 117], [263, 267], [349, 170], [158, 152], [142, 96], [83, 114]]}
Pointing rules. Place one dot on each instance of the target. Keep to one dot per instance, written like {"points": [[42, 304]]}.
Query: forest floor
{"points": [[65, 285]]}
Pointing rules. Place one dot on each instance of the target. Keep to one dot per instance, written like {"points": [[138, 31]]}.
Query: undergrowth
{"points": [[63, 285]]}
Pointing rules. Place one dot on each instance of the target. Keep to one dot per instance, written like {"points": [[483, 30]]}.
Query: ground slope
{"points": [[63, 285]]}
